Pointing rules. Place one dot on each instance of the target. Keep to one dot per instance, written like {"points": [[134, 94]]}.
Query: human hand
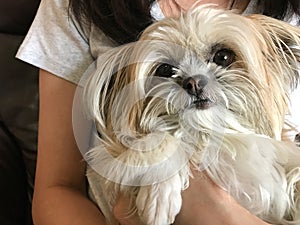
{"points": [[204, 203]]}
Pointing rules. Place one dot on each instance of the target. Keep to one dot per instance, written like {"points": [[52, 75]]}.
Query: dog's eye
{"points": [[224, 57], [165, 70]]}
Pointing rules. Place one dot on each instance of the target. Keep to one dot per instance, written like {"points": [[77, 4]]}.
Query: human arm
{"points": [[60, 190], [204, 203]]}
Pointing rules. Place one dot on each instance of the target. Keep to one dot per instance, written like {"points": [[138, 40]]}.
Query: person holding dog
{"points": [[65, 38]]}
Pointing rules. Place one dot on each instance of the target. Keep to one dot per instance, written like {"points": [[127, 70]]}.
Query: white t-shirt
{"points": [[56, 44]]}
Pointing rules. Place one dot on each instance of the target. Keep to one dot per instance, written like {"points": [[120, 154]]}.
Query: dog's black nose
{"points": [[193, 85]]}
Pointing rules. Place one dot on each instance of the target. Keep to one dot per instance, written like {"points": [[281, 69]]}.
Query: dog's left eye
{"points": [[165, 70], [224, 57]]}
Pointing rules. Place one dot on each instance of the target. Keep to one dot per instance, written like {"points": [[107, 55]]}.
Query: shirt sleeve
{"points": [[55, 43]]}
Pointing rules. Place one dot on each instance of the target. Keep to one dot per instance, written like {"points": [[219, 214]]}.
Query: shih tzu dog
{"points": [[208, 91]]}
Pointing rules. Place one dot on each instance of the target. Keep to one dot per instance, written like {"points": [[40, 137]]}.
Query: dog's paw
{"points": [[158, 204]]}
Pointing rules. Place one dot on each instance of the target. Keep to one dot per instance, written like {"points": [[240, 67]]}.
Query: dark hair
{"points": [[281, 9], [120, 20], [124, 20]]}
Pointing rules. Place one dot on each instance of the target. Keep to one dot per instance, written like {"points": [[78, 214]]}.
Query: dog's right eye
{"points": [[165, 70]]}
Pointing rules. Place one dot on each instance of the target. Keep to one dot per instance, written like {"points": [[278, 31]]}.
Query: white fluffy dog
{"points": [[209, 89]]}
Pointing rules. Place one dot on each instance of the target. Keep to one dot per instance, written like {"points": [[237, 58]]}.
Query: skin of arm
{"points": [[204, 203], [60, 184]]}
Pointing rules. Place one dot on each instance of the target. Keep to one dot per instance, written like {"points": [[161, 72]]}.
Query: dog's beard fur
{"points": [[210, 88]]}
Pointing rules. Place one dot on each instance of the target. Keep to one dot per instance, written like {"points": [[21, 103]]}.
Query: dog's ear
{"points": [[279, 45], [112, 88], [283, 41], [105, 81]]}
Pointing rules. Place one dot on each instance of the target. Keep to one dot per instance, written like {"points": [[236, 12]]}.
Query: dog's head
{"points": [[207, 69]]}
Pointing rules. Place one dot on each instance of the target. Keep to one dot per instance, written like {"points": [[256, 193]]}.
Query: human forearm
{"points": [[63, 205], [231, 214], [205, 203], [59, 195]]}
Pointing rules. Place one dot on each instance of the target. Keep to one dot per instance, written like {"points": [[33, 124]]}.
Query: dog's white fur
{"points": [[236, 138]]}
